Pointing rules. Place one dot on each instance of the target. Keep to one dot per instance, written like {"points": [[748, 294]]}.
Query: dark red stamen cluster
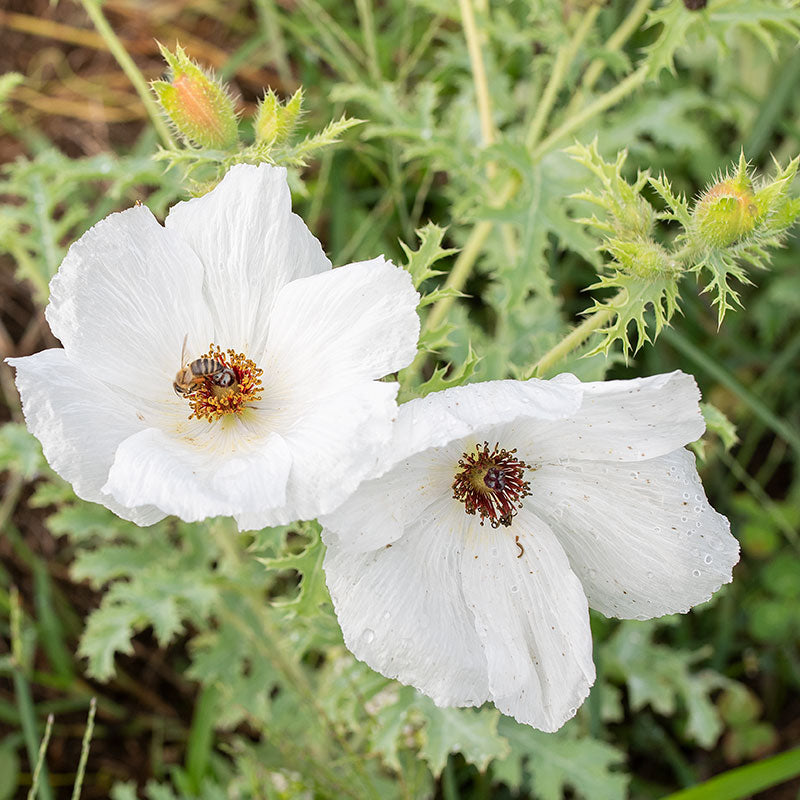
{"points": [[490, 483]]}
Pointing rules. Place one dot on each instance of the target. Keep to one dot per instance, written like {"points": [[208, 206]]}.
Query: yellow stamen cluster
{"points": [[210, 401]]}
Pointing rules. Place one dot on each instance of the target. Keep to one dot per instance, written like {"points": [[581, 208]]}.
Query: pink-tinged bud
{"points": [[198, 105], [728, 210]]}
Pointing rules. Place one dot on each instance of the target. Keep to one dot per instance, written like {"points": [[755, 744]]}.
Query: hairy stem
{"points": [[573, 340], [472, 36], [117, 49], [564, 58], [621, 35]]}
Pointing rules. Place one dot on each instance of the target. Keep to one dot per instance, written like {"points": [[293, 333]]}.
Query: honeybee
{"points": [[191, 375]]}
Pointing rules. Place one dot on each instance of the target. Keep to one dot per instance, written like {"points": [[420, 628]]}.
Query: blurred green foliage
{"points": [[479, 211]]}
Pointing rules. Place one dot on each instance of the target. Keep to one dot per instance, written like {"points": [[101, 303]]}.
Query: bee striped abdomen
{"points": [[206, 366]]}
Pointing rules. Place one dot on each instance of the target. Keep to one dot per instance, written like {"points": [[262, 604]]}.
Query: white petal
{"points": [[194, 483], [376, 514], [532, 616], [467, 411], [80, 422], [333, 447], [353, 323], [402, 612], [624, 421], [124, 298], [251, 244], [641, 536]]}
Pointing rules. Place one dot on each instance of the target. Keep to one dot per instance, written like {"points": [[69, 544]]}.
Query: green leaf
{"points": [[419, 261], [548, 764], [471, 732], [718, 423], [9, 770], [108, 631], [20, 451], [662, 677], [313, 592]]}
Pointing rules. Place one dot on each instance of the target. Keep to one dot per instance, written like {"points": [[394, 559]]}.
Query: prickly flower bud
{"points": [[727, 211], [198, 105], [274, 122]]}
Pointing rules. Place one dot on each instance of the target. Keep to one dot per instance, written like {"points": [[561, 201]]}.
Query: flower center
{"points": [[224, 384], [490, 483]]}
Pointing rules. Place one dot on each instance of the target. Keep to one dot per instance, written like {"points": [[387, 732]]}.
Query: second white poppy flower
{"points": [[506, 509]]}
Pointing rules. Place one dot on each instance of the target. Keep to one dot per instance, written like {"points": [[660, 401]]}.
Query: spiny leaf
{"points": [[447, 375], [419, 261], [548, 765], [765, 19], [308, 562], [635, 297]]}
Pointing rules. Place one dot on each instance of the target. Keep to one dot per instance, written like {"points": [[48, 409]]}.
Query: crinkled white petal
{"points": [[622, 421], [80, 423], [194, 483], [402, 612], [377, 513], [641, 536], [532, 616], [124, 298], [354, 323], [442, 417], [333, 447], [250, 244]]}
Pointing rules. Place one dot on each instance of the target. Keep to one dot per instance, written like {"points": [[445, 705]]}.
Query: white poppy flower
{"points": [[286, 415], [504, 510]]}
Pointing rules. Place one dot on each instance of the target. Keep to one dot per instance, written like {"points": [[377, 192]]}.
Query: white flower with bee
{"points": [[502, 511], [217, 365]]}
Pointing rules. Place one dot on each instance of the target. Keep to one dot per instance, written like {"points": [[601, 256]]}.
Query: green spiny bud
{"points": [[727, 211], [643, 258], [274, 122], [198, 104]]}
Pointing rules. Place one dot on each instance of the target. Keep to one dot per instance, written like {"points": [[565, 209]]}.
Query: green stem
{"points": [[87, 739], [117, 49], [367, 21], [602, 103], [564, 59], [472, 35], [44, 789], [621, 35], [574, 339], [745, 781]]}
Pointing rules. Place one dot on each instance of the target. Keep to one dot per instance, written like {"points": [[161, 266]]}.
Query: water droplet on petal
{"points": [[369, 635], [514, 588], [696, 573], [707, 558], [650, 575]]}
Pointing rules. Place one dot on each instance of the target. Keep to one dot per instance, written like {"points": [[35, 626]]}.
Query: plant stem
{"points": [[117, 49], [564, 59], [745, 781], [365, 17], [87, 739], [621, 35], [574, 339], [605, 101], [37, 772], [472, 36]]}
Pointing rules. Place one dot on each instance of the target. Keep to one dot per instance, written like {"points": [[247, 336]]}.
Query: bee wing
{"points": [[183, 351]]}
